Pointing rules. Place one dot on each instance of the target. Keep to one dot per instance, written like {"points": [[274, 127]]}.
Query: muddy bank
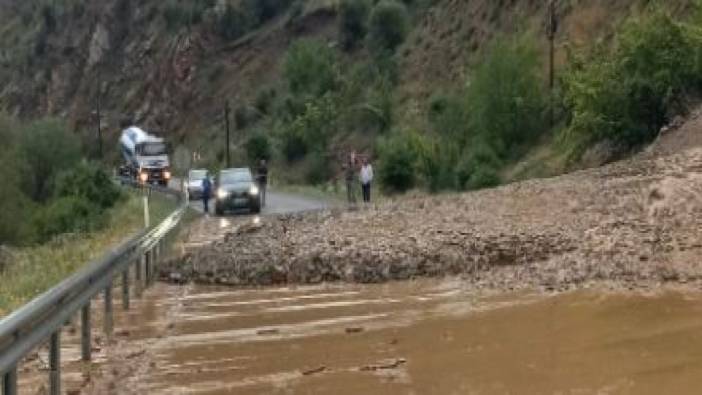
{"points": [[634, 223]]}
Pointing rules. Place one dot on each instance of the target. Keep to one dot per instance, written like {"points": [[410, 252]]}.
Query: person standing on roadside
{"points": [[366, 180], [262, 176], [350, 177], [206, 192]]}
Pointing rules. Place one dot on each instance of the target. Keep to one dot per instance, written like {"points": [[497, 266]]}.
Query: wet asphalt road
{"points": [[276, 202]]}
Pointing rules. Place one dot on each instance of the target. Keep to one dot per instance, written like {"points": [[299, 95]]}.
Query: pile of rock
{"points": [[631, 222]]}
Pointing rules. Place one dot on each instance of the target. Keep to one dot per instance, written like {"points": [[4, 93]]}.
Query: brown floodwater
{"points": [[423, 337]]}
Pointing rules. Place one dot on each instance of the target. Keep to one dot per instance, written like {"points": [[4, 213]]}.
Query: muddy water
{"points": [[404, 338]]}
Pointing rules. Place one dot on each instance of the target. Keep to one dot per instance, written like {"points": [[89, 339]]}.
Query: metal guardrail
{"points": [[42, 318]]}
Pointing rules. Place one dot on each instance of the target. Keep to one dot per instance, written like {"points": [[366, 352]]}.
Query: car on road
{"points": [[236, 189], [194, 183]]}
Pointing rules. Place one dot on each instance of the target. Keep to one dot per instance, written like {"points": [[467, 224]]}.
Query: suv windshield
{"points": [[152, 149], [233, 177], [197, 174]]}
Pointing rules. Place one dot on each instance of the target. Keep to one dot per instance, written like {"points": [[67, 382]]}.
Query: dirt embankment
{"points": [[632, 223]]}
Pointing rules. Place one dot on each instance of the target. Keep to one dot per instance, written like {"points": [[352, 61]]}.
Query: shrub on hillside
{"points": [[627, 94], [262, 10], [65, 215], [437, 159], [398, 164], [312, 129], [232, 23], [310, 68], [88, 182], [353, 19], [319, 169], [14, 206], [483, 177], [477, 166], [47, 148], [388, 25], [258, 147], [505, 99]]}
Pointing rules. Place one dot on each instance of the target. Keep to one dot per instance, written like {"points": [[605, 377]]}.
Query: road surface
{"points": [[277, 202]]}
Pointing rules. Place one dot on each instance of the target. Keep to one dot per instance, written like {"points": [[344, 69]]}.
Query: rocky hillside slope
{"points": [[58, 57]]}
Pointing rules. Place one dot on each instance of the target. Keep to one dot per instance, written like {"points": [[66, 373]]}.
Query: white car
{"points": [[194, 183]]}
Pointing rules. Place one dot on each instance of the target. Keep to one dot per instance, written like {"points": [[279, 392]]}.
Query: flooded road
{"points": [[424, 337]]}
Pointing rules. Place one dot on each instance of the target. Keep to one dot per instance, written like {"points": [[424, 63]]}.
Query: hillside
{"points": [[170, 67]]}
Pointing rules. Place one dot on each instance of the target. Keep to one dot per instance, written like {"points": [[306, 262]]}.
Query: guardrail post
{"points": [[55, 363], [138, 269], [85, 343], [149, 264], [9, 382], [125, 289], [108, 319]]}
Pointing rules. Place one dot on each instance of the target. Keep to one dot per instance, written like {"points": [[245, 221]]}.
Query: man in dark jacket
{"points": [[262, 176], [206, 192]]}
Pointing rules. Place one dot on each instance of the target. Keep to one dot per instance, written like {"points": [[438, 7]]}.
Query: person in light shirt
{"points": [[366, 180]]}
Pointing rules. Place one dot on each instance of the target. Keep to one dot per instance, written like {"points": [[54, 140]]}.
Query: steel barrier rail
{"points": [[42, 318]]}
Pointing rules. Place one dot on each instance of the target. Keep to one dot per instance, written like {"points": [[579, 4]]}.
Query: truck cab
{"points": [[146, 157]]}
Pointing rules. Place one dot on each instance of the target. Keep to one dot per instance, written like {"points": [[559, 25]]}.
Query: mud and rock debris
{"points": [[631, 222]]}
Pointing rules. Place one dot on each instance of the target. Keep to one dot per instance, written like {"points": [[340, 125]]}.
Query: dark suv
{"points": [[236, 189]]}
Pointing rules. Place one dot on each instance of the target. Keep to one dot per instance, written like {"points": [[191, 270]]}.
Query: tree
{"points": [[389, 24], [310, 68], [47, 148], [353, 22]]}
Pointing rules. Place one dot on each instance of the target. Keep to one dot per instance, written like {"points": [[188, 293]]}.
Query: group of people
{"points": [[362, 173]]}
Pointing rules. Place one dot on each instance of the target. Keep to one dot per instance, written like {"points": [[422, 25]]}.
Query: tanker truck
{"points": [[145, 157]]}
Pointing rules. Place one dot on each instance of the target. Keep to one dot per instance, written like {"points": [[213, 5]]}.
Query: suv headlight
{"points": [[167, 175], [143, 176], [253, 190], [222, 194]]}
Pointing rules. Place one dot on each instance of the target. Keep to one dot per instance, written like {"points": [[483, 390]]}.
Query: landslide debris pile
{"points": [[632, 222]]}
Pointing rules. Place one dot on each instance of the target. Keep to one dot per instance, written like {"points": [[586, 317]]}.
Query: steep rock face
{"points": [[174, 80]]}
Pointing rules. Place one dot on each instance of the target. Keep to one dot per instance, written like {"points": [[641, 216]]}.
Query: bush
{"points": [[293, 145], [626, 94], [478, 162], [388, 25], [483, 177], [258, 147], [11, 196], [263, 10], [65, 215], [312, 129], [505, 99], [353, 17], [232, 23], [91, 183], [398, 161], [319, 170], [47, 148], [310, 68]]}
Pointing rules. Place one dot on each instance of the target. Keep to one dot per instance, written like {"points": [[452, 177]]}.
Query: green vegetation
{"points": [[626, 93], [35, 269], [48, 190], [353, 21], [388, 25]]}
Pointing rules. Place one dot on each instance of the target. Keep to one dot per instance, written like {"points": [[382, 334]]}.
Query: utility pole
{"points": [[226, 121], [552, 29], [97, 112]]}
